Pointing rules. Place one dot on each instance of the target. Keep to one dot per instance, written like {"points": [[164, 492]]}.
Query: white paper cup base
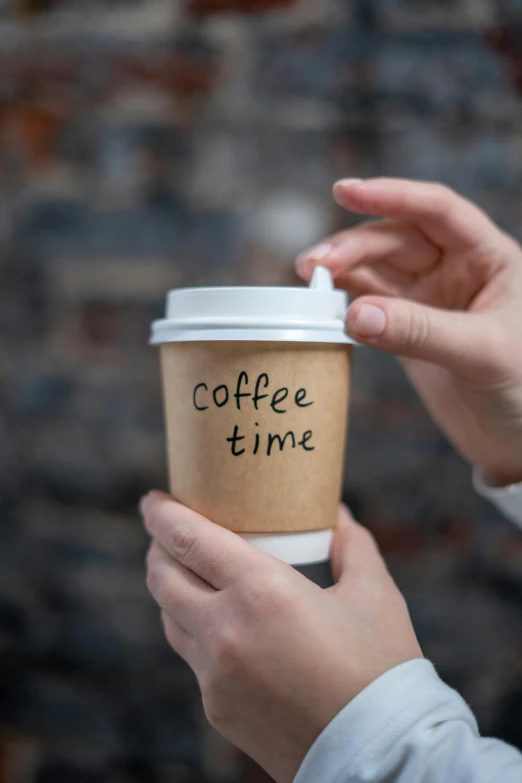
{"points": [[294, 548]]}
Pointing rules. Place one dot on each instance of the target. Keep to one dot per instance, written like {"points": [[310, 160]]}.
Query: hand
{"points": [[276, 657], [440, 286]]}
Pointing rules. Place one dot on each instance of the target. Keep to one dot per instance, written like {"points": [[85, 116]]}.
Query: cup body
{"points": [[256, 383], [256, 431]]}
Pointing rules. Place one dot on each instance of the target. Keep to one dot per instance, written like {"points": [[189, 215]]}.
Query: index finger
{"points": [[215, 554], [446, 218]]}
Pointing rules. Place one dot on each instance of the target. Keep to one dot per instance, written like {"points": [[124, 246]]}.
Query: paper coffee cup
{"points": [[256, 385]]}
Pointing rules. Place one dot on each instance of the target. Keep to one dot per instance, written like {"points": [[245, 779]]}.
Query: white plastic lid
{"points": [[294, 548], [314, 314]]}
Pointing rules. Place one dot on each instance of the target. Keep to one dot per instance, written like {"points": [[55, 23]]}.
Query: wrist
{"points": [[374, 731]]}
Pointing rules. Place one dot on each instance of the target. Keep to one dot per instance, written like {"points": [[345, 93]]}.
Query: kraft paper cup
{"points": [[256, 387]]}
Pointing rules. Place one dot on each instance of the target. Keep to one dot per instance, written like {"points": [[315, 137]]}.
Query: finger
{"points": [[217, 555], [178, 591], [363, 280], [466, 343], [400, 247], [354, 550], [180, 641], [446, 218]]}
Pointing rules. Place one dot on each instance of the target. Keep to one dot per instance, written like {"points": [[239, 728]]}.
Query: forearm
{"points": [[405, 727], [409, 726]]}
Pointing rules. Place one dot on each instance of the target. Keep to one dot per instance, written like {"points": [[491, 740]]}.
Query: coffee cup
{"points": [[256, 387]]}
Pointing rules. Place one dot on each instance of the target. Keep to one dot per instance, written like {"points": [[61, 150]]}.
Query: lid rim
{"points": [[250, 288], [241, 323], [332, 336], [277, 313]]}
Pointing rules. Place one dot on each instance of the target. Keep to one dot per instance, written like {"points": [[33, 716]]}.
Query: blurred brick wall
{"points": [[145, 145]]}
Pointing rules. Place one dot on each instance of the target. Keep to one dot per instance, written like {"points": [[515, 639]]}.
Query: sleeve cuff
{"points": [[507, 499], [368, 731]]}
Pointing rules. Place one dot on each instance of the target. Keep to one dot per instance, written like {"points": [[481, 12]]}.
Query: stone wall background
{"points": [[146, 144]]}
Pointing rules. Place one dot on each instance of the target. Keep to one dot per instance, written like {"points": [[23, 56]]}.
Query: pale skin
{"points": [[277, 657], [439, 285]]}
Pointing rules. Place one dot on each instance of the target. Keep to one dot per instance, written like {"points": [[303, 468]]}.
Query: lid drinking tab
{"points": [[322, 279]]}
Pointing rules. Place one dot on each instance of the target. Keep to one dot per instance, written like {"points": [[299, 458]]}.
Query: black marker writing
{"points": [[199, 386], [269, 441], [233, 440], [221, 394], [300, 395], [255, 399], [306, 437], [272, 438], [258, 442], [238, 393], [225, 396], [279, 396]]}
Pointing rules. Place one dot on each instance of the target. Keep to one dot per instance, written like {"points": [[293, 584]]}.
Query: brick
{"points": [[202, 7]]}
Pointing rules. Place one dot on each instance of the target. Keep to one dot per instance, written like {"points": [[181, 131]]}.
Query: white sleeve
{"points": [[408, 727], [507, 499]]}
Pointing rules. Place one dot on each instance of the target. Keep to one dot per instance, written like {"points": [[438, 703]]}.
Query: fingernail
{"points": [[320, 251], [345, 183], [369, 321], [307, 261]]}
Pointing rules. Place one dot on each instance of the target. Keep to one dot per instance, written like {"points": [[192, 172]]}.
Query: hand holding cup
{"points": [[276, 656]]}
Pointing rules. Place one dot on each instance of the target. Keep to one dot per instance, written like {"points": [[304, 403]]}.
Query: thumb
{"points": [[461, 342], [354, 552]]}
